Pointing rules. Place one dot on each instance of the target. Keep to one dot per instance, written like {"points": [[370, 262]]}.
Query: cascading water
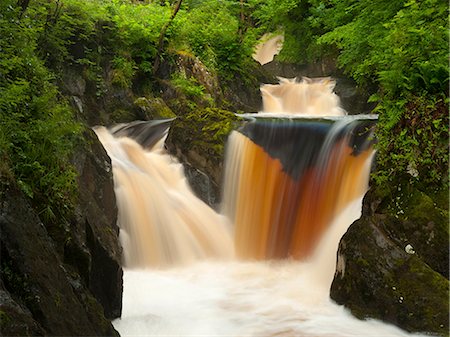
{"points": [[292, 188], [269, 46], [162, 223]]}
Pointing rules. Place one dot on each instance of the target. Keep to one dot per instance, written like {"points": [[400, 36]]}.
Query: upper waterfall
{"points": [[308, 96]]}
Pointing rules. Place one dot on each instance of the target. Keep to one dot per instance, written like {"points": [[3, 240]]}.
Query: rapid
{"points": [[263, 266]]}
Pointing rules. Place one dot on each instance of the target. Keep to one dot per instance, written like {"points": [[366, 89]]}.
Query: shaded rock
{"points": [[98, 101], [243, 94], [382, 274], [198, 140], [201, 185], [34, 275], [154, 108], [16, 319], [93, 248]]}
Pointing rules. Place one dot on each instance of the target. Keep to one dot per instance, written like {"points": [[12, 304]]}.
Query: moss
{"points": [[154, 108], [122, 116], [414, 279], [5, 319], [206, 129], [200, 136]]}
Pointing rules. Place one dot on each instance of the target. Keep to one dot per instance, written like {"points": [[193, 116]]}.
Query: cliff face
{"points": [[69, 284]]}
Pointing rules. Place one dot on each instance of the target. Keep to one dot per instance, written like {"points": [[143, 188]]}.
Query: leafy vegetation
{"points": [[398, 46], [37, 129], [210, 30], [109, 43], [401, 47]]}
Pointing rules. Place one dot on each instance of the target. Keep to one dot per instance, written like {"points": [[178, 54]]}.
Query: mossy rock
{"points": [[377, 279], [391, 266], [420, 219], [199, 138], [154, 108]]}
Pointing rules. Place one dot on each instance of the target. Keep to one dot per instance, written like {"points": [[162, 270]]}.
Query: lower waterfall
{"points": [[265, 264]]}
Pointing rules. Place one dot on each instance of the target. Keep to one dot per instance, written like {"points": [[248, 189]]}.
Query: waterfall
{"points": [[311, 97], [263, 266], [288, 181], [269, 46], [161, 221]]}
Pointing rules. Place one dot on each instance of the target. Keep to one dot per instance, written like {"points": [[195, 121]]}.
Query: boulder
{"points": [[390, 265], [198, 140], [16, 319]]}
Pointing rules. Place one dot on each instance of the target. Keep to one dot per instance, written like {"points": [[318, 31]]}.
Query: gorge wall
{"points": [[64, 279]]}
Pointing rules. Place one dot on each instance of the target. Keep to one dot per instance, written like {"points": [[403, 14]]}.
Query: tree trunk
{"points": [[158, 56]]}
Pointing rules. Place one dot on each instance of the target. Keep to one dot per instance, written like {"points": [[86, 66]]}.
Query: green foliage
{"points": [[210, 30], [398, 44], [138, 28], [99, 34], [124, 69], [401, 47], [188, 86], [36, 126], [413, 141], [123, 36]]}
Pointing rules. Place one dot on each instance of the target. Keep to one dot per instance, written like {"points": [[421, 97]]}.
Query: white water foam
{"points": [[235, 298]]}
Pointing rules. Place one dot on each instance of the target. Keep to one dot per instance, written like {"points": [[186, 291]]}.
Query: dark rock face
{"points": [[244, 95], [202, 185], [16, 319], [385, 267], [35, 277], [64, 282], [99, 102], [94, 231]]}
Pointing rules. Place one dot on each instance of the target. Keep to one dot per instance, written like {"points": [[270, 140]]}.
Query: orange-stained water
{"points": [[278, 216]]}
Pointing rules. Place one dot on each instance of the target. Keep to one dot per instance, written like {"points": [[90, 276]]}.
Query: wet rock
{"points": [[93, 248], [385, 271], [35, 277], [202, 185], [198, 140], [16, 319]]}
